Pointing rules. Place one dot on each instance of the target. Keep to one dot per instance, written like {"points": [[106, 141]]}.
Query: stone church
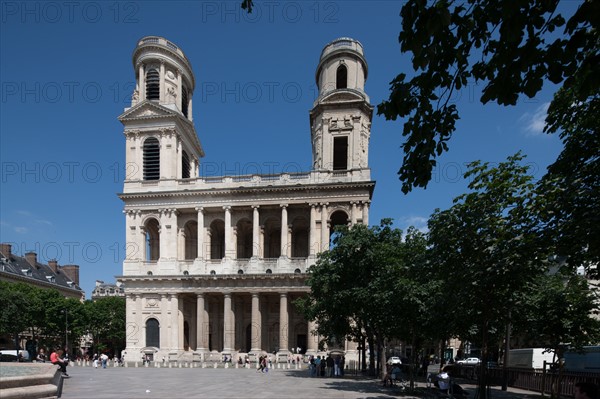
{"points": [[214, 264]]}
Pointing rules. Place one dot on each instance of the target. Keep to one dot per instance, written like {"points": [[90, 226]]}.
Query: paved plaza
{"points": [[134, 383]]}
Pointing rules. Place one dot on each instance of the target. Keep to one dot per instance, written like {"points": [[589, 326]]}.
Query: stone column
{"points": [[229, 251], [142, 82], [234, 242], [283, 323], [175, 343], [164, 321], [179, 160], [324, 228], [132, 327], [284, 230], [200, 211], [190, 115], [202, 324], [139, 321], [312, 341], [181, 243], [136, 171], [162, 83], [179, 90], [365, 213], [256, 328], [255, 231], [289, 240], [312, 240], [353, 214], [261, 242], [228, 326]]}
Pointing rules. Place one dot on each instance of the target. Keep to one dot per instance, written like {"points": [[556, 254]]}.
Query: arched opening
{"points": [[341, 77], [151, 159], [184, 101], [338, 218], [244, 239], [300, 332], [191, 240], [300, 238], [152, 333], [152, 85], [272, 238], [248, 340], [185, 165], [217, 239], [186, 336], [152, 240]]}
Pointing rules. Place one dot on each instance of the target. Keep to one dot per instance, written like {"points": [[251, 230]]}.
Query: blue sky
{"points": [[66, 75]]}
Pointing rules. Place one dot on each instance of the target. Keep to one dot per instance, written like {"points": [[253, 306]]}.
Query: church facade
{"points": [[214, 264]]}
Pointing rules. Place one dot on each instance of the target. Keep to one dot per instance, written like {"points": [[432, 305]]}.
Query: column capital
{"points": [[283, 294], [227, 207], [255, 206], [255, 295], [284, 205], [200, 295], [313, 204], [199, 209], [324, 203]]}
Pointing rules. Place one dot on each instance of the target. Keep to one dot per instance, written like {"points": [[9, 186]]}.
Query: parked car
{"points": [[470, 361], [394, 360], [10, 355]]}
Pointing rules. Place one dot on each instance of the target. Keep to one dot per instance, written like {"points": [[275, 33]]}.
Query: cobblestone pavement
{"points": [[134, 383]]}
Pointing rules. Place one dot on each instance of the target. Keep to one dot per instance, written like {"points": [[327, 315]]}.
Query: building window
{"points": [[269, 271], [151, 159], [152, 333], [340, 153], [185, 165], [184, 101], [341, 77], [152, 240], [152, 85], [191, 240], [240, 271]]}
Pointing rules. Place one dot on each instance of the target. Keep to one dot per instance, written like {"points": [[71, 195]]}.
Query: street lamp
{"points": [[66, 312]]}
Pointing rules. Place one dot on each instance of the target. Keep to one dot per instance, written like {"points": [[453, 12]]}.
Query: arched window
{"points": [[152, 333], [152, 84], [152, 240], [151, 159], [217, 239], [338, 218], [191, 240], [341, 77], [244, 239], [185, 165]]}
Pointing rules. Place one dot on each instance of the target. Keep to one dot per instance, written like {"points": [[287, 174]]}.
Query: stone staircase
{"points": [[44, 384]]}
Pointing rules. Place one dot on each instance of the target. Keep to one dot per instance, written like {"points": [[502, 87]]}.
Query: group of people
{"points": [[392, 375], [264, 363], [330, 366]]}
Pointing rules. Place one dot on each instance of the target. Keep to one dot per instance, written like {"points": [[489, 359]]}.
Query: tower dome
{"points": [[342, 65], [163, 74]]}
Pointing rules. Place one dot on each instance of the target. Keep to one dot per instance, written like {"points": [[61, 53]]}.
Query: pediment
{"points": [[147, 110], [339, 96]]}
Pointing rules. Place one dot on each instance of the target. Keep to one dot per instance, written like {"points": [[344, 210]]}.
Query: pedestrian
{"points": [[41, 356], [56, 357], [95, 360], [104, 360]]}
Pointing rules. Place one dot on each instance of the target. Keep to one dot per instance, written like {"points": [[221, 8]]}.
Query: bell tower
{"points": [[340, 120], [162, 144]]}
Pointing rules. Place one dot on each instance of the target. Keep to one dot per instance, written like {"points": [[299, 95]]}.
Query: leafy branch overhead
{"points": [[508, 46]]}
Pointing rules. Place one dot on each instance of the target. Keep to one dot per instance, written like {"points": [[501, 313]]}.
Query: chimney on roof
{"points": [[6, 250], [53, 265], [99, 283], [31, 258], [72, 272]]}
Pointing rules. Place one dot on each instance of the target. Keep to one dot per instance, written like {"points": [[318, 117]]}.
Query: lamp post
{"points": [[66, 312]]}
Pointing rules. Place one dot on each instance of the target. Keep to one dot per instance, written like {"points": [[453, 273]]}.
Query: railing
{"points": [[530, 379]]}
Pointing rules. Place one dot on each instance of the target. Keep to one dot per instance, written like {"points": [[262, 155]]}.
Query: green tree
{"points": [[487, 252], [559, 311], [351, 286], [105, 319], [14, 303], [510, 47]]}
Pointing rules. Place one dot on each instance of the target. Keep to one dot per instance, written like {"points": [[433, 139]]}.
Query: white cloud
{"points": [[533, 124], [418, 222], [21, 230]]}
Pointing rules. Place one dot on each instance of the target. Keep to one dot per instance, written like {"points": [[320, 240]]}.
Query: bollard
{"points": [[136, 364], [215, 365]]}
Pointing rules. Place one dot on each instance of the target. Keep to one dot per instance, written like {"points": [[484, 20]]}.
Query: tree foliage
{"points": [[511, 47]]}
